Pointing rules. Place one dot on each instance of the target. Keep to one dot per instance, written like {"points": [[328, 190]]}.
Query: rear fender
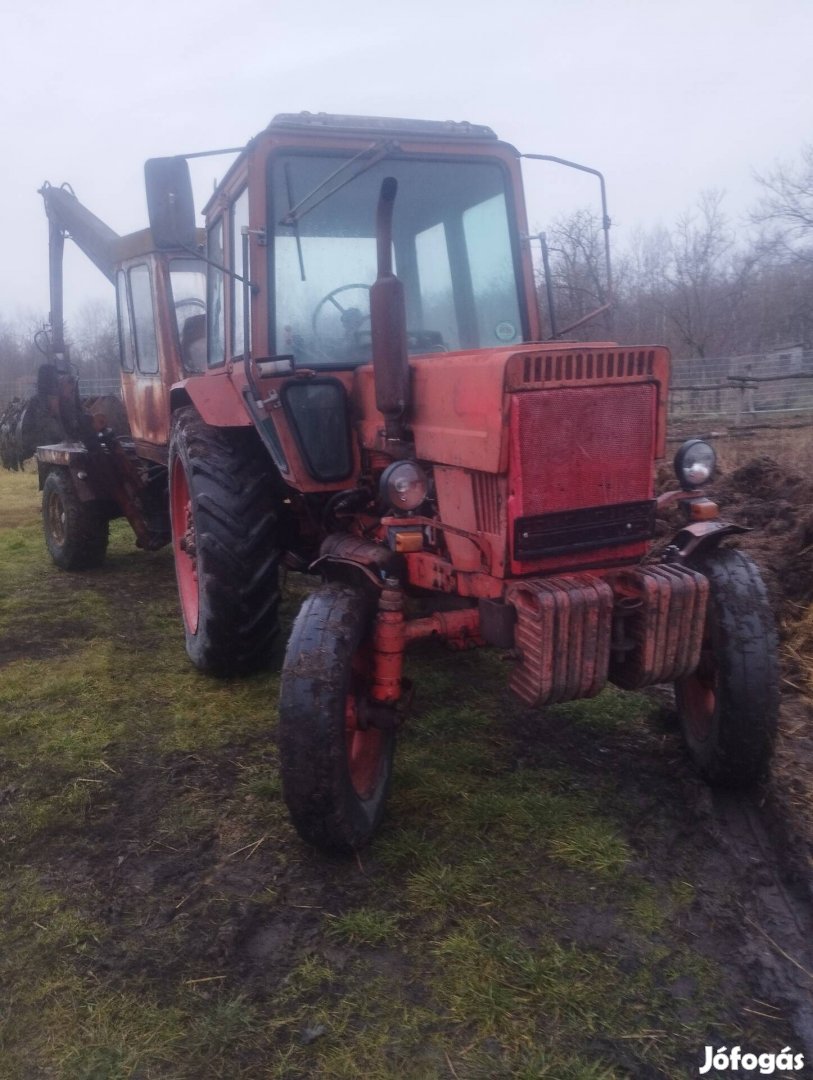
{"points": [[73, 460], [215, 399]]}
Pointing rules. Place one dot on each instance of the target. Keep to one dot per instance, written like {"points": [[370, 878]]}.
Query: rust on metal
{"points": [[664, 626], [562, 636]]}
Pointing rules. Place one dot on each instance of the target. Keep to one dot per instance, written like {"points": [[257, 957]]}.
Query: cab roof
{"points": [[381, 125]]}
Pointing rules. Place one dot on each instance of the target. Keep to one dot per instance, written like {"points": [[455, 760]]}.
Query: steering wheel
{"points": [[352, 318], [191, 301]]}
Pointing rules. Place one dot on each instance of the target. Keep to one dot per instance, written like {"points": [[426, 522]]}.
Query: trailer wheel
{"points": [[76, 532], [224, 539], [335, 772], [728, 707]]}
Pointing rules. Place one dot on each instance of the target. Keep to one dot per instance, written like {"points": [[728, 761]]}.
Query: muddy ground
{"points": [[190, 877]]}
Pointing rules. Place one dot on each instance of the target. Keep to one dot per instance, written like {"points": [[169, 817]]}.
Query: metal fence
{"points": [[743, 389], [25, 386]]}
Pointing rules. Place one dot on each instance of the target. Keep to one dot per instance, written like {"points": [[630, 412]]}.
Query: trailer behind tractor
{"points": [[346, 372]]}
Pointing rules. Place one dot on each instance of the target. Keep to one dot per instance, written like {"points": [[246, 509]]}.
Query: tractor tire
{"points": [[224, 539], [76, 532], [335, 774], [728, 708]]}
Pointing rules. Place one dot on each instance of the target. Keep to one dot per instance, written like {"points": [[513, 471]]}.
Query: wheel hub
{"points": [[700, 697], [56, 519]]}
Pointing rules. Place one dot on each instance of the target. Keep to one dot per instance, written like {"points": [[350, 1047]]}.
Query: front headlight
{"points": [[695, 462], [404, 485]]}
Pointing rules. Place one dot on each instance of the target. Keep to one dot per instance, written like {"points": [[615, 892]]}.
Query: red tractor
{"points": [[362, 390]]}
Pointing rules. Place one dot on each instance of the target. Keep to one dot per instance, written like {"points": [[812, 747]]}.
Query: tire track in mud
{"points": [[762, 857]]}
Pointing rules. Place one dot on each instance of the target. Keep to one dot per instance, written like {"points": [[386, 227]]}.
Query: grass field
{"points": [[536, 905]]}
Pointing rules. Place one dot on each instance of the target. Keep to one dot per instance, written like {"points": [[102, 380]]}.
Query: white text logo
{"points": [[734, 1060]]}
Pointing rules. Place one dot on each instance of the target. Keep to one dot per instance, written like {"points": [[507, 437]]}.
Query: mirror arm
{"points": [[606, 222]]}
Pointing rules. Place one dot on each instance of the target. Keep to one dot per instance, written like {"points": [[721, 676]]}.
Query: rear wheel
{"points": [[336, 770], [728, 707], [76, 532], [224, 539]]}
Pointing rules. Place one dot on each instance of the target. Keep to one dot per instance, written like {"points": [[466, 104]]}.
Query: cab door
{"points": [[149, 352]]}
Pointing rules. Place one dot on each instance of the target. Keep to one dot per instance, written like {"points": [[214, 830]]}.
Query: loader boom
{"points": [[68, 217]]}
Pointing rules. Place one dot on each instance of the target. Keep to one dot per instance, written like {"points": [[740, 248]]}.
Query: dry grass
{"points": [[799, 644], [20, 505]]}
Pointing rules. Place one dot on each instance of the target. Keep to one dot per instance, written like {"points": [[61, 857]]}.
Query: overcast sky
{"points": [[666, 98]]}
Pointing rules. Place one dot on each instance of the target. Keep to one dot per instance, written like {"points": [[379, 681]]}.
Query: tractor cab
{"points": [[304, 193]]}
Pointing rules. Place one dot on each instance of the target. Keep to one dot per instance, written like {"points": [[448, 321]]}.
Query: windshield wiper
{"points": [[364, 160]]}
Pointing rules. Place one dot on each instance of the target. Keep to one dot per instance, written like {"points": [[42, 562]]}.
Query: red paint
{"points": [[364, 745], [183, 540]]}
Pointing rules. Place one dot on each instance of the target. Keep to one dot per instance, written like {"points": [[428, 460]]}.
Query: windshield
{"points": [[452, 251]]}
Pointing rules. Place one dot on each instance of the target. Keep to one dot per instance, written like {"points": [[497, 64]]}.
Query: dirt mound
{"points": [[778, 506]]}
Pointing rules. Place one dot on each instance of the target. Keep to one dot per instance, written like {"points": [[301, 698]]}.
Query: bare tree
{"points": [[641, 289], [19, 357], [708, 279], [95, 342], [786, 208], [576, 247], [702, 288]]}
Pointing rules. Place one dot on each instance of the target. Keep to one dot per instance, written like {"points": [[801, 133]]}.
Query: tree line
{"points": [[91, 338], [704, 287]]}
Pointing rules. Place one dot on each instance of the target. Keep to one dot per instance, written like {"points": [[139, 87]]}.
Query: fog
{"points": [[665, 99]]}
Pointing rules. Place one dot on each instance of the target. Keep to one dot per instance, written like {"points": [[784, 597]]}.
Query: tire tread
{"points": [[87, 528], [236, 536], [745, 640], [325, 810]]}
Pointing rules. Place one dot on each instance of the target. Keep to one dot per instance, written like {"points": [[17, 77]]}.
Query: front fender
{"points": [[701, 535], [347, 558]]}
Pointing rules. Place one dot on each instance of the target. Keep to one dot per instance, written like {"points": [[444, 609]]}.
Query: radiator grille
{"points": [[579, 447]]}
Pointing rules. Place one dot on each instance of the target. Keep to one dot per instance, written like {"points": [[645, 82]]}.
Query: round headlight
{"points": [[694, 463], [404, 485]]}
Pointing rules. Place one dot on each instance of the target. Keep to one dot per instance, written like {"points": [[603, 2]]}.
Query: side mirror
{"points": [[170, 204]]}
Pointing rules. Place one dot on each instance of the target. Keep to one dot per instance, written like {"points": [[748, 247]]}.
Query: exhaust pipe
{"points": [[388, 325]]}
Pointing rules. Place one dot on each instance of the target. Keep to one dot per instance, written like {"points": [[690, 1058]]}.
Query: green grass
{"points": [[160, 918], [365, 926]]}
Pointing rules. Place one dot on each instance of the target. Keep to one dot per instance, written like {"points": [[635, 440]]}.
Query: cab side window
{"points": [[146, 343], [215, 323], [126, 346], [239, 219]]}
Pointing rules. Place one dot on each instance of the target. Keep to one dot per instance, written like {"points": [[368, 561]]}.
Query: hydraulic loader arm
{"points": [[68, 217]]}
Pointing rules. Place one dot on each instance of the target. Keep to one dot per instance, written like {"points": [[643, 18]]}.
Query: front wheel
{"points": [[729, 706], [336, 769], [76, 532]]}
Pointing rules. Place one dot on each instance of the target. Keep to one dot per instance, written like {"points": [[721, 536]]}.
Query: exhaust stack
{"points": [[388, 325]]}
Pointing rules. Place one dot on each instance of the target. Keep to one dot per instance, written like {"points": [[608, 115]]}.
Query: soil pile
{"points": [[778, 506]]}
